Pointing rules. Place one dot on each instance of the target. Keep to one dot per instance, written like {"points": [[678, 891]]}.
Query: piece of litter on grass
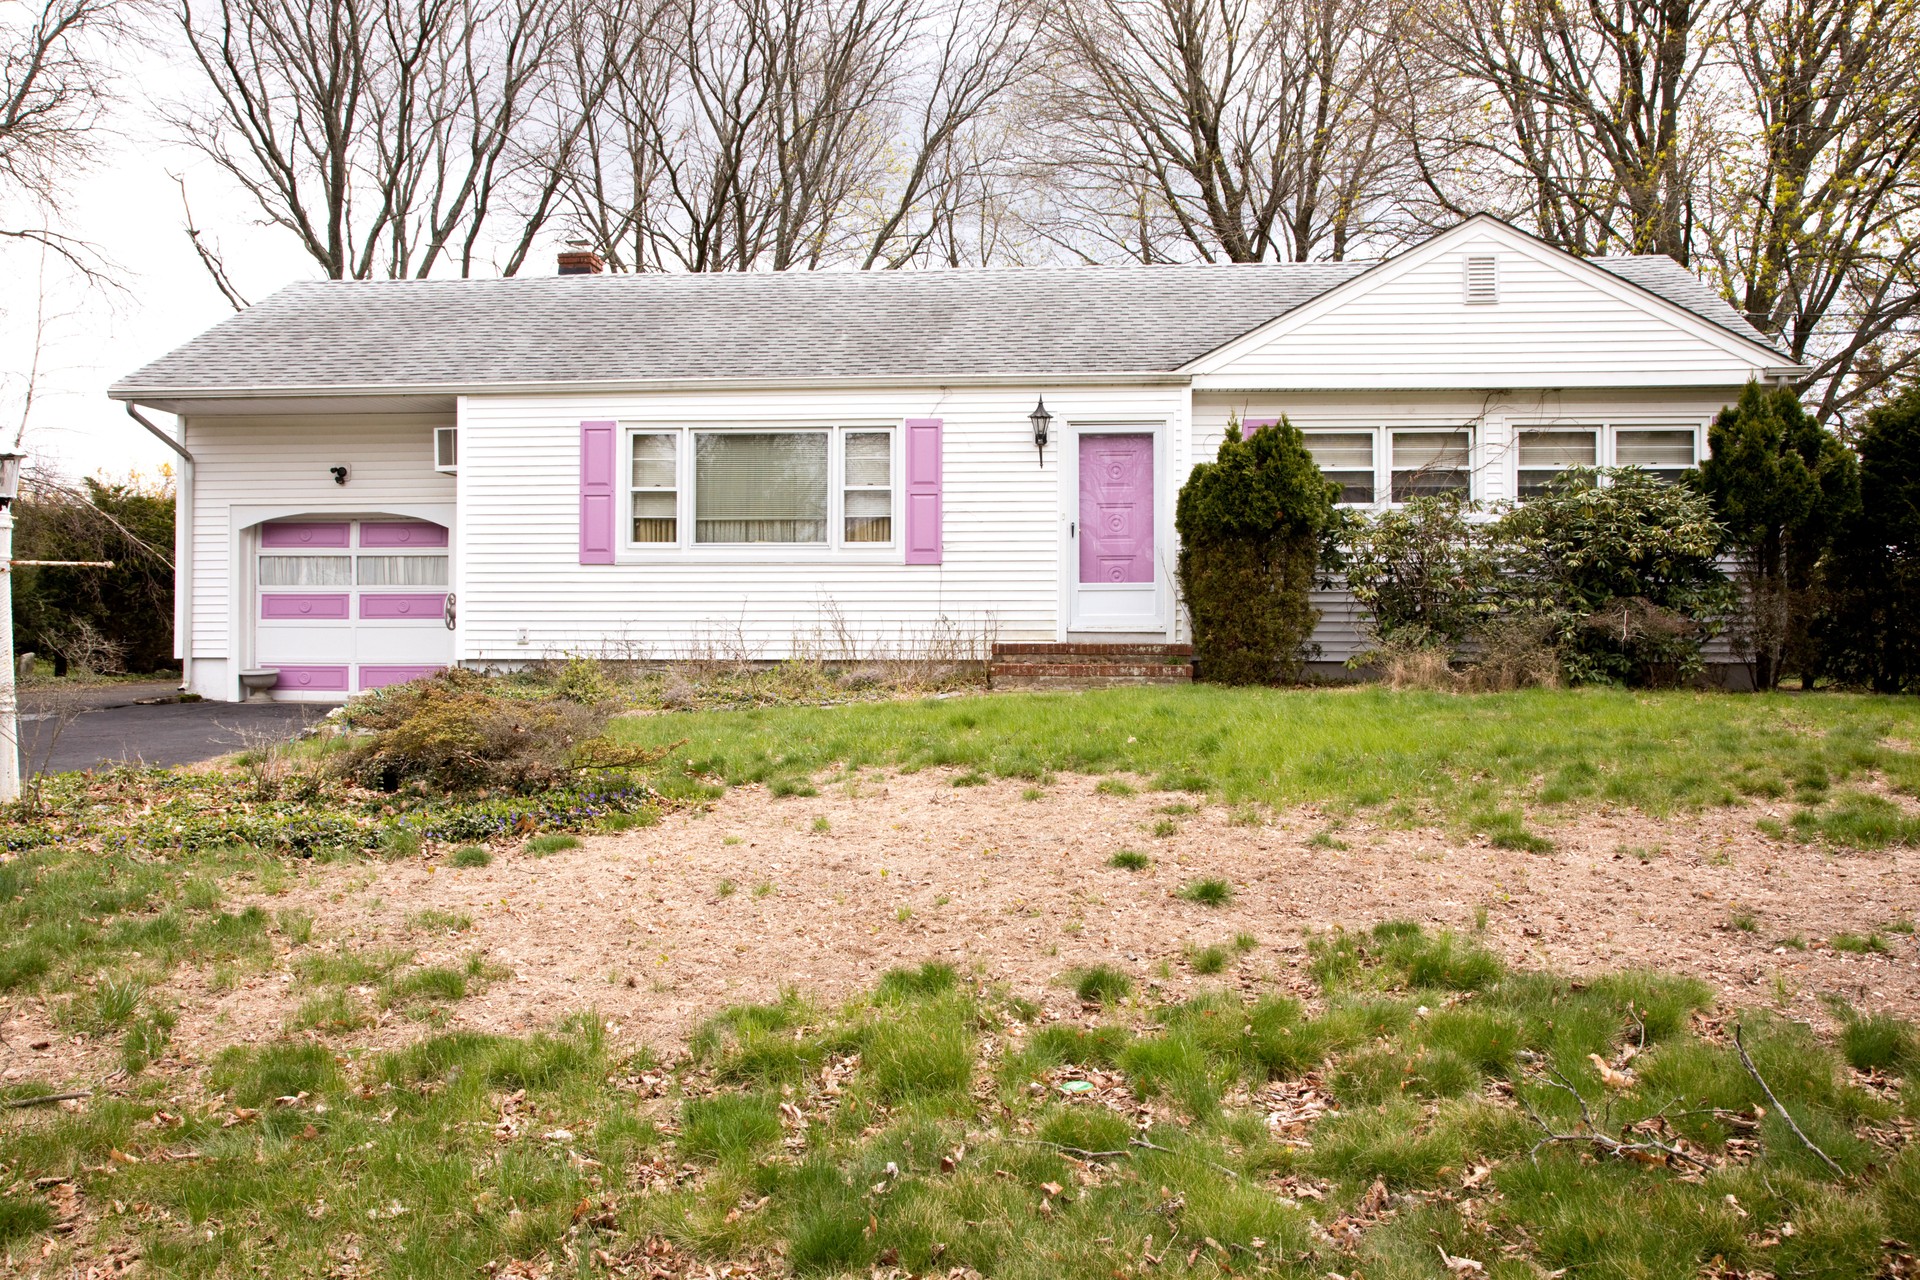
{"points": [[1076, 1086]]}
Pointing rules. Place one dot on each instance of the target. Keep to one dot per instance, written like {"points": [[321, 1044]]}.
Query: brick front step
{"points": [[1082, 653]]}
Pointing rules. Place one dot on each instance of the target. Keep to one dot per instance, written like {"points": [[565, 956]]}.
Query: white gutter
{"points": [[182, 548], [141, 395]]}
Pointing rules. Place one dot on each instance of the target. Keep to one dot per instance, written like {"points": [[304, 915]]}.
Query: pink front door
{"points": [[1116, 509]]}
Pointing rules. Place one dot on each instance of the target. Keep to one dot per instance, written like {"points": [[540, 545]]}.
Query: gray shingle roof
{"points": [[450, 334]]}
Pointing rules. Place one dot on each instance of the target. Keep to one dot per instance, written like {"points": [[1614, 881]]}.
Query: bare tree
{"points": [[1814, 229], [745, 134], [1580, 117], [389, 136], [1222, 129], [53, 93]]}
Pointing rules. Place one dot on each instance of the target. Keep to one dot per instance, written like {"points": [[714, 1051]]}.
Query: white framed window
{"points": [[1543, 450], [759, 487], [446, 449], [803, 489], [307, 570], [867, 487], [1427, 462], [401, 571], [655, 487], [1665, 452], [1346, 458]]}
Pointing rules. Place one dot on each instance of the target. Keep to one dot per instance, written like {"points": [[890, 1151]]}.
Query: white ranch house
{"points": [[384, 478]]}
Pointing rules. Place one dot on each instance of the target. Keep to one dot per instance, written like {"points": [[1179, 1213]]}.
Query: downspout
{"points": [[182, 548]]}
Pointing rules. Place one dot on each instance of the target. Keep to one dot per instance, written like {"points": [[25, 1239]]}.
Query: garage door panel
{"points": [[379, 677], [303, 642], [306, 533], [402, 533], [411, 607], [315, 605], [312, 678], [396, 643]]}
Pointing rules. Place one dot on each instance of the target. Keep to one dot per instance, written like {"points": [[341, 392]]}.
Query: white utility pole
{"points": [[9, 699]]}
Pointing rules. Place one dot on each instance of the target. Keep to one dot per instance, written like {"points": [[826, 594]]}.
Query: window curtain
{"points": [[760, 487]]}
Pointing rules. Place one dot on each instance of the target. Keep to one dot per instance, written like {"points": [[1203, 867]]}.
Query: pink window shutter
{"points": [[1250, 425], [924, 544], [597, 496]]}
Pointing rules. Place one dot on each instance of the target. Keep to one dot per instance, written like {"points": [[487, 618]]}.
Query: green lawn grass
{"points": [[1467, 758], [934, 1125]]}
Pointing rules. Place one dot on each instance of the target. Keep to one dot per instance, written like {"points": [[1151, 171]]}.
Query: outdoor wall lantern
{"points": [[10, 478], [1040, 419]]}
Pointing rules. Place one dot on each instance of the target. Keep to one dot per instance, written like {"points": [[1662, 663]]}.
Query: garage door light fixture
{"points": [[339, 474]]}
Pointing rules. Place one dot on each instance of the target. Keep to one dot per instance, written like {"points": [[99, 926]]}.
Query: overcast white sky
{"points": [[128, 205]]}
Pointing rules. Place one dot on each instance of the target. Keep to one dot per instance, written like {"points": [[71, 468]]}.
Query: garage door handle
{"points": [[449, 612]]}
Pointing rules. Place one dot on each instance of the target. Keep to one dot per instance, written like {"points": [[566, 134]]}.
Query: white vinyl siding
{"points": [[1410, 325], [524, 596], [252, 468]]}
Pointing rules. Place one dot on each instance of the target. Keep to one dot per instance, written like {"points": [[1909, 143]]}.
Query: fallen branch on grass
{"points": [[46, 1099], [1767, 1089], [1644, 1148]]}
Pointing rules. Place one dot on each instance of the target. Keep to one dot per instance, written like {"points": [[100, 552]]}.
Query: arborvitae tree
{"points": [[1870, 634], [1250, 525], [1780, 484]]}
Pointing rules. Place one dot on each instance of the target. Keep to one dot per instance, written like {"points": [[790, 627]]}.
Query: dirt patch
{"points": [[828, 891]]}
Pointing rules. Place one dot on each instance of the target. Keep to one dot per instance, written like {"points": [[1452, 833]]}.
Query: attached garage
{"points": [[342, 606]]}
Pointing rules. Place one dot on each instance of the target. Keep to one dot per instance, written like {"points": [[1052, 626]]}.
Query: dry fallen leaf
{"points": [[1610, 1076]]}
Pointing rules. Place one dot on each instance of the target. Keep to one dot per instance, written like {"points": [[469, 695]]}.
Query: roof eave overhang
{"points": [[162, 396]]}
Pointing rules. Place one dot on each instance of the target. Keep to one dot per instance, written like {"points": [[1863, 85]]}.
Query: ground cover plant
{"points": [[1428, 1112], [1486, 762]]}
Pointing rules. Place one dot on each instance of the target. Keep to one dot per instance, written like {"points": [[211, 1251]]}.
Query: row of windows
{"points": [[834, 485], [1421, 461], [813, 487]]}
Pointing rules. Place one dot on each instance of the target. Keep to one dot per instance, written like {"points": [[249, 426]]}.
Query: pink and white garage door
{"points": [[343, 606]]}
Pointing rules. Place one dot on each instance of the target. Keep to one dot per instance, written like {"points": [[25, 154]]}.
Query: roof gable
{"points": [[1557, 321]]}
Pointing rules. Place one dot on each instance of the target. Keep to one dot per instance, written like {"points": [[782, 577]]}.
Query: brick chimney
{"points": [[579, 259]]}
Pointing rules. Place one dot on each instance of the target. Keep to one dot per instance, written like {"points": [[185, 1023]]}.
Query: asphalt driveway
{"points": [[114, 728]]}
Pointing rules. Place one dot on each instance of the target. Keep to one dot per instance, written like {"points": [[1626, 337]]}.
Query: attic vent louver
{"points": [[1483, 280]]}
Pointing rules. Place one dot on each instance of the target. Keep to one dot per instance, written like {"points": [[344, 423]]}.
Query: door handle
{"points": [[1073, 528], [448, 611]]}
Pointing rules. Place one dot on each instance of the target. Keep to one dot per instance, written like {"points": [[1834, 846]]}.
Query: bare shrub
{"points": [[90, 651], [1513, 653], [45, 707], [451, 732], [1414, 666]]}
